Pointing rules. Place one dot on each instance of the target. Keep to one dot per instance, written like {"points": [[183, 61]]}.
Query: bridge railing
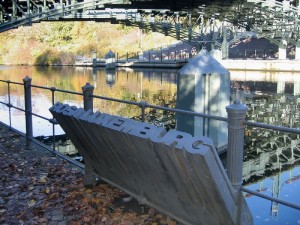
{"points": [[170, 54], [158, 55], [48, 14], [236, 122]]}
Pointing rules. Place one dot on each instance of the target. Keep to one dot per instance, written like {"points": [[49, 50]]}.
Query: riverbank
{"points": [[40, 188], [230, 64]]}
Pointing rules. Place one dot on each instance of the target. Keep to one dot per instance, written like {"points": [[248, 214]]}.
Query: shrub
{"points": [[47, 58]]}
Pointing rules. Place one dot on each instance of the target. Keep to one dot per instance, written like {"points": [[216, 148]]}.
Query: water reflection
{"points": [[284, 185], [110, 77], [272, 98]]}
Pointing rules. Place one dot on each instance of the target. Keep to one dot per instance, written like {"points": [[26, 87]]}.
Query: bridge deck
{"points": [[186, 19]]}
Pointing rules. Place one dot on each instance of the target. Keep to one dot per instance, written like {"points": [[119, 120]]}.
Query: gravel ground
{"points": [[40, 188]]}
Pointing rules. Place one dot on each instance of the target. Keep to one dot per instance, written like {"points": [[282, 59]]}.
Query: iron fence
{"points": [[236, 123]]}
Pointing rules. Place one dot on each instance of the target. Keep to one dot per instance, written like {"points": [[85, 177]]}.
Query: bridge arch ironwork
{"points": [[216, 23]]}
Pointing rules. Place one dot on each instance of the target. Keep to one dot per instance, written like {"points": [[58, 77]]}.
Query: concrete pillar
{"points": [[296, 88], [280, 87], [297, 56], [203, 86], [282, 49]]}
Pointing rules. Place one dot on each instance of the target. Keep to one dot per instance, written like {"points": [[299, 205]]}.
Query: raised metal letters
{"points": [[174, 172]]}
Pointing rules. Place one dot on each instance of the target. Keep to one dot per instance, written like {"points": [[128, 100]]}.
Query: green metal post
{"points": [[44, 5], [224, 43], [190, 30], [14, 10], [1, 16], [29, 12], [73, 8], [62, 7]]}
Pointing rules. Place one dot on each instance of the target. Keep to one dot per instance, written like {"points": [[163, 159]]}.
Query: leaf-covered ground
{"points": [[39, 188]]}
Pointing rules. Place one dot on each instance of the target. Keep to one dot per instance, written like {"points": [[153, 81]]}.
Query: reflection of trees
{"points": [[265, 150], [162, 98], [159, 117], [132, 86], [155, 89]]}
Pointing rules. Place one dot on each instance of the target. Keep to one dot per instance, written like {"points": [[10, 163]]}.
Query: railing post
{"points": [[236, 117], [53, 89], [89, 176], [87, 91], [143, 106], [9, 102], [28, 111]]}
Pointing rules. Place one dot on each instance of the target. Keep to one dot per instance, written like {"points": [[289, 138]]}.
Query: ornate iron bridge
{"points": [[219, 23]]}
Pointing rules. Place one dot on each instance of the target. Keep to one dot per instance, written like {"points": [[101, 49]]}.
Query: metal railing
{"points": [[149, 56], [236, 124]]}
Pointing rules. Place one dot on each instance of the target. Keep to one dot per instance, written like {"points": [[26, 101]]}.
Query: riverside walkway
{"points": [[40, 188], [285, 65]]}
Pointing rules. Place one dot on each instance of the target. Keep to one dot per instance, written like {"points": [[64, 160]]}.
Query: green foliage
{"points": [[86, 49], [50, 43], [124, 28], [48, 58], [60, 33]]}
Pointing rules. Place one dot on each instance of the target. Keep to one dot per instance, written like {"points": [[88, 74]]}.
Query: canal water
{"points": [[271, 161]]}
